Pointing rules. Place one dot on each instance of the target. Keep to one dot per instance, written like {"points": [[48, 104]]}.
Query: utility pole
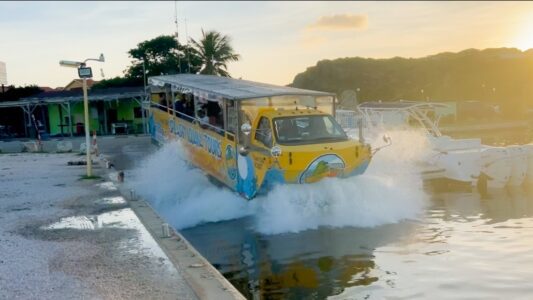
{"points": [[87, 128], [84, 73]]}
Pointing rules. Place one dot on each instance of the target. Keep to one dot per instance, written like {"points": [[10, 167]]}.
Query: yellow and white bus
{"points": [[251, 136]]}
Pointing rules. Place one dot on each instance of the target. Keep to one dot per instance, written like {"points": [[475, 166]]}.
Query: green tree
{"points": [[118, 82], [162, 55], [215, 51], [13, 93], [500, 76]]}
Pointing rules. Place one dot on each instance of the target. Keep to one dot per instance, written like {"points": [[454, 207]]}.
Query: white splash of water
{"points": [[182, 194], [390, 191]]}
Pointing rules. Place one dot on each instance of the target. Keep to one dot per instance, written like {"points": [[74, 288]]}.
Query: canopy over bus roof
{"points": [[216, 87], [400, 105]]}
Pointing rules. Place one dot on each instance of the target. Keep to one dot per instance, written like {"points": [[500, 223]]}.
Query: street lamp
{"points": [[84, 73]]}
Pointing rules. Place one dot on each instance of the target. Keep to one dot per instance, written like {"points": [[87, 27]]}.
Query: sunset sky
{"points": [[276, 40]]}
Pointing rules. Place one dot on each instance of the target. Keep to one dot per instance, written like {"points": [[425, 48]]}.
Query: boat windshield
{"points": [[309, 129]]}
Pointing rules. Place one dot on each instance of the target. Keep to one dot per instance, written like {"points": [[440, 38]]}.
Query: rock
{"points": [[64, 146], [31, 147], [82, 148]]}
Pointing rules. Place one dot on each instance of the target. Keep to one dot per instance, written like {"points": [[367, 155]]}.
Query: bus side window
{"points": [[231, 117], [263, 132]]}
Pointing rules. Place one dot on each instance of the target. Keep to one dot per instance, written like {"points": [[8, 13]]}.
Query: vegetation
{"points": [[164, 55], [160, 55], [502, 76], [215, 51], [118, 82], [13, 93]]}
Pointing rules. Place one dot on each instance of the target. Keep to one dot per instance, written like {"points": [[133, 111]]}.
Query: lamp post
{"points": [[84, 73]]}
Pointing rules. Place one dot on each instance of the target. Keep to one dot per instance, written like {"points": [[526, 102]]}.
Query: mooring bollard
{"points": [[166, 230], [120, 176], [132, 195]]}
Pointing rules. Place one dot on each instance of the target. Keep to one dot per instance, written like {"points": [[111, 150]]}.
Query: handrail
{"points": [[192, 119], [415, 111]]}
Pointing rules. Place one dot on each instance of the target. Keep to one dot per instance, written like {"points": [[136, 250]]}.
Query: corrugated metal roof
{"points": [[91, 93], [229, 88], [108, 94]]}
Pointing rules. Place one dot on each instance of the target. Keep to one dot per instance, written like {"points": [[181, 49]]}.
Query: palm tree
{"points": [[214, 50]]}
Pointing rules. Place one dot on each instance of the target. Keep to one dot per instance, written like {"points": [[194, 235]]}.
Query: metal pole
{"points": [[106, 128], [25, 122], [87, 138], [70, 120], [142, 114], [144, 76]]}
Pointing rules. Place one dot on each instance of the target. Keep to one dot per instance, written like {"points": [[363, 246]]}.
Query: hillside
{"points": [[501, 76]]}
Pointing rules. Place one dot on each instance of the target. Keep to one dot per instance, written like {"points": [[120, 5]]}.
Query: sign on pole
{"points": [[3, 73], [85, 72]]}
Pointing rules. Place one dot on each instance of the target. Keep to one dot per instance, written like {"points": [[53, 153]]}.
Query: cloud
{"points": [[340, 22]]}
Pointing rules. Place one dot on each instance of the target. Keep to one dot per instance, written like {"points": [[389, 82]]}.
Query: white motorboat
{"points": [[495, 162], [529, 176], [463, 160], [519, 164]]}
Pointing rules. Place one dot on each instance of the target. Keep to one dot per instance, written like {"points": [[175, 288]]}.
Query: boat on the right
{"points": [[465, 161]]}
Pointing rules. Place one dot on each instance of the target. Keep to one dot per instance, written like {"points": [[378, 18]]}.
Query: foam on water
{"points": [[390, 191], [183, 194]]}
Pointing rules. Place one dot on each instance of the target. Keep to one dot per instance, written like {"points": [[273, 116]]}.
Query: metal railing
{"points": [[192, 119]]}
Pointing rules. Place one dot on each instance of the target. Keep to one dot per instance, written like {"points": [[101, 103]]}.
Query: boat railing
{"points": [[195, 120], [417, 112]]}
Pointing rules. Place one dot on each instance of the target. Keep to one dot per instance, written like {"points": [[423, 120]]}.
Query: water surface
{"points": [[464, 247]]}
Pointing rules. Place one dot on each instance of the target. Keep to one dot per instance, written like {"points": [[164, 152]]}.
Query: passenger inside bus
{"points": [[163, 101], [213, 113], [179, 108], [188, 108], [202, 117]]}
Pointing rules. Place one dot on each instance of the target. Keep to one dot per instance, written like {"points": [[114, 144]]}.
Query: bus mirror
{"points": [[243, 151], [246, 128]]}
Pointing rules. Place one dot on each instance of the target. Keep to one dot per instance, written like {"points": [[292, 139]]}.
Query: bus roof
{"points": [[228, 88], [400, 105]]}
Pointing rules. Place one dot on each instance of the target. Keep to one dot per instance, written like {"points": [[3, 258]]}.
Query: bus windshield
{"points": [[309, 129]]}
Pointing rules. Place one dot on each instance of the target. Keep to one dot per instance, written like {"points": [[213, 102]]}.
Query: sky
{"points": [[276, 40]]}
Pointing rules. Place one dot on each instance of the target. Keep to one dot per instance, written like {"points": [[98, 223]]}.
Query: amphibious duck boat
{"points": [[251, 136]]}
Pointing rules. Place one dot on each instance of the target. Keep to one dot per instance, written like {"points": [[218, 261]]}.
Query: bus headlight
{"points": [[275, 151], [246, 128]]}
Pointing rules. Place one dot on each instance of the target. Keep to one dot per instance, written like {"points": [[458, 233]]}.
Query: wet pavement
{"points": [[64, 238]]}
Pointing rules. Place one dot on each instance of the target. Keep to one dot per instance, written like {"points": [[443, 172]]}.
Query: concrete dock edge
{"points": [[205, 280]]}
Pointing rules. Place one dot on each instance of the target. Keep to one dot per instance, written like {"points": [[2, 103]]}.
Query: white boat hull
{"points": [[496, 164], [460, 158], [519, 165], [463, 166], [529, 175]]}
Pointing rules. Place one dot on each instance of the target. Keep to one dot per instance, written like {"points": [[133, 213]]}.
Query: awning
{"points": [[215, 88]]}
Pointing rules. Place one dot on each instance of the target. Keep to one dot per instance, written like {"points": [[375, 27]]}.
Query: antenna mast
{"points": [[187, 48], [177, 33]]}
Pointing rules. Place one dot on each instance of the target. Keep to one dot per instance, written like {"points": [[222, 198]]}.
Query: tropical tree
{"points": [[162, 55], [13, 93], [214, 51]]}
